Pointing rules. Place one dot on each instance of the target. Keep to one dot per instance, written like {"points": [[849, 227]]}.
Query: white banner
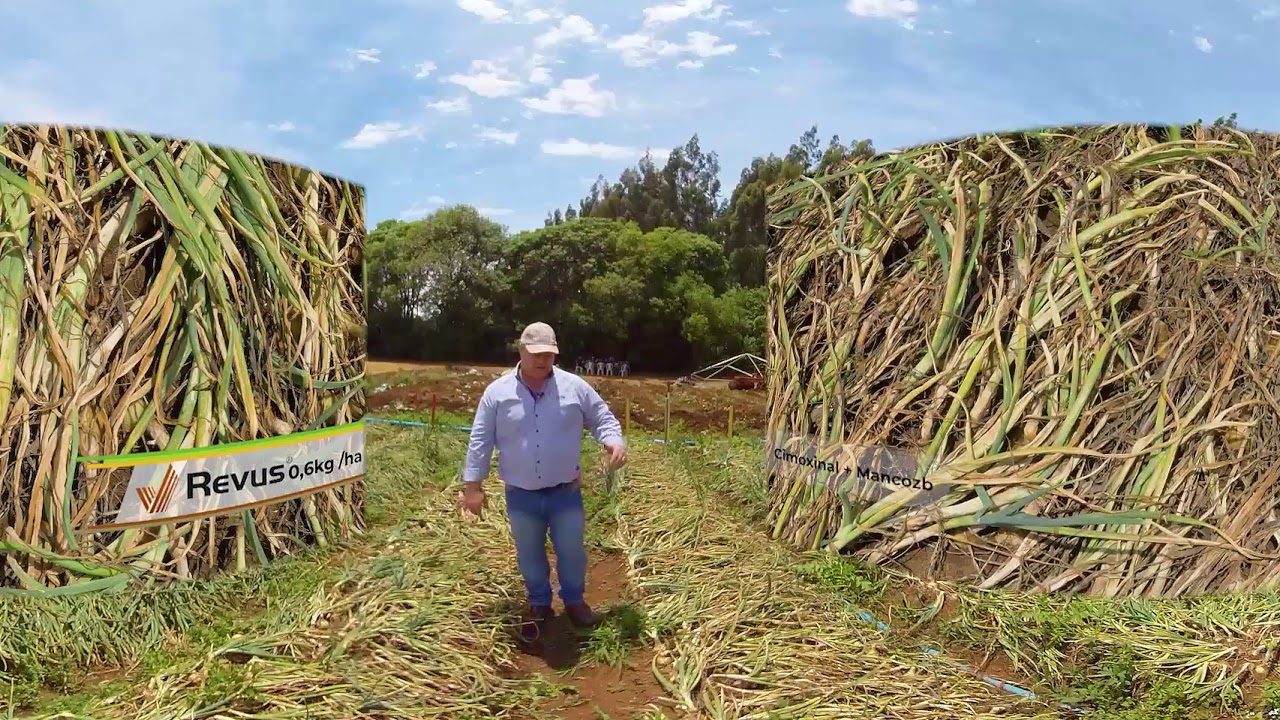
{"points": [[859, 473], [227, 478]]}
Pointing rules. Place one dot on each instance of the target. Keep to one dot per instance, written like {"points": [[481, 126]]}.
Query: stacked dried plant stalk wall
{"points": [[159, 294], [1080, 328]]}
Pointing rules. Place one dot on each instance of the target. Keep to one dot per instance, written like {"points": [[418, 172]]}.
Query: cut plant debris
{"points": [[1075, 335], [160, 294]]}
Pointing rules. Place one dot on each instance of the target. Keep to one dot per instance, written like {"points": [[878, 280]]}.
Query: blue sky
{"points": [[515, 106]]}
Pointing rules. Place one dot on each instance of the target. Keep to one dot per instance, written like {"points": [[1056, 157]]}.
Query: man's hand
{"points": [[471, 499], [615, 456]]}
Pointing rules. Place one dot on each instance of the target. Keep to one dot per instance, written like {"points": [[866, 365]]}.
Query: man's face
{"points": [[537, 364]]}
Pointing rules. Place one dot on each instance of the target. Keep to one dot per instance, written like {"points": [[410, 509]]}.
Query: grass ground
{"points": [[704, 617], [1211, 657]]}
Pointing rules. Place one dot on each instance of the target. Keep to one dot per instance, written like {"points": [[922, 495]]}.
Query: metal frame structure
{"points": [[710, 371]]}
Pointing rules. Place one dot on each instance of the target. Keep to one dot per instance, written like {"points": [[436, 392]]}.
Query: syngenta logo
{"points": [[156, 500]]}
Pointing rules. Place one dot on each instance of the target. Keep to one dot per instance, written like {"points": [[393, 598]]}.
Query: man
{"points": [[534, 416]]}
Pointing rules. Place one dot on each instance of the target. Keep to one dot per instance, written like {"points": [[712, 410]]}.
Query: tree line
{"points": [[658, 268]]}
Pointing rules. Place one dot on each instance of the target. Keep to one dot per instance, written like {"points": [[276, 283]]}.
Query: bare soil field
{"points": [[401, 386]]}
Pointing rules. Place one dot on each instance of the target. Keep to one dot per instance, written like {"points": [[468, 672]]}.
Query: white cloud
{"points": [[705, 45], [749, 26], [539, 73], [677, 12], [690, 64], [49, 89], [25, 98], [424, 69], [641, 50], [572, 27], [450, 145], [575, 96], [417, 212], [574, 147], [1203, 44], [488, 10], [537, 15], [286, 126], [488, 79], [457, 106], [775, 52], [494, 212], [375, 134], [498, 136], [356, 57], [903, 11]]}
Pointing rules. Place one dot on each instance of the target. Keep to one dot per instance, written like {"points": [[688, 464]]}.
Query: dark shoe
{"points": [[580, 614], [535, 621]]}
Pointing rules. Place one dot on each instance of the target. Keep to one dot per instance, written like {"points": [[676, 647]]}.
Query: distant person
{"points": [[534, 416], [626, 368]]}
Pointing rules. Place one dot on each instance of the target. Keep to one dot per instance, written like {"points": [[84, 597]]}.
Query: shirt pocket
{"points": [[570, 415], [511, 418]]}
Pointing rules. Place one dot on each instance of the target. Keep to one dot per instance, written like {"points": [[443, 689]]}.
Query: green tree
{"points": [[547, 270], [726, 325], [610, 288], [656, 267], [685, 193], [435, 273], [673, 265]]}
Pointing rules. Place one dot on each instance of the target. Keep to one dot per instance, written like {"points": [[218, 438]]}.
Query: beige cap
{"points": [[539, 338]]}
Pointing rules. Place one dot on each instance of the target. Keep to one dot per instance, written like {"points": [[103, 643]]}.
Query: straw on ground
{"points": [[413, 620]]}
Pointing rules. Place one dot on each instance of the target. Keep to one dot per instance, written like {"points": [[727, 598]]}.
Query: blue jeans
{"points": [[557, 512]]}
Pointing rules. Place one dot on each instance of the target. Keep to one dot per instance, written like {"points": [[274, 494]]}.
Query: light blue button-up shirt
{"points": [[538, 435]]}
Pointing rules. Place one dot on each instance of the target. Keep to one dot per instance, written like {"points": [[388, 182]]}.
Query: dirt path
{"points": [[593, 689], [704, 406], [381, 367]]}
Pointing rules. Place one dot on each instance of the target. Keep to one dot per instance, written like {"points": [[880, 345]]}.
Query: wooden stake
{"points": [[626, 429], [431, 429], [668, 441], [730, 422]]}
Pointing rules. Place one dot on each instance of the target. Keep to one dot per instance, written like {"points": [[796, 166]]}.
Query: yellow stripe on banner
{"points": [[216, 452]]}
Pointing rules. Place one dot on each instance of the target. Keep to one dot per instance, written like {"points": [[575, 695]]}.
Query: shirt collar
{"points": [[520, 379]]}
